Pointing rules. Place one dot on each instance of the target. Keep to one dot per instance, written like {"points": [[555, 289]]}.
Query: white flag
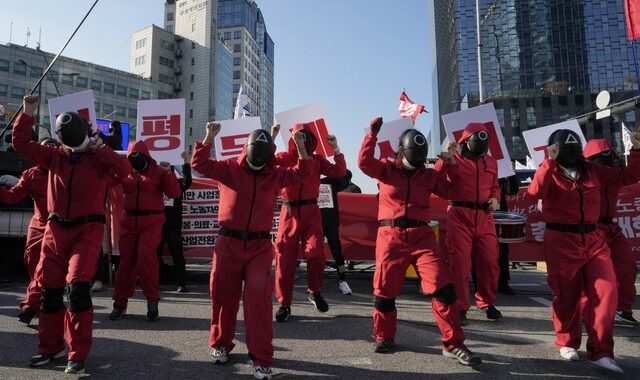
{"points": [[242, 106], [626, 139]]}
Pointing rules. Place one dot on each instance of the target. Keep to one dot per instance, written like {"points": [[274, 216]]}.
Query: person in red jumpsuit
{"points": [[243, 251], [77, 185], [32, 183], [141, 228], [624, 260], [301, 222], [471, 233], [405, 238], [576, 252]]}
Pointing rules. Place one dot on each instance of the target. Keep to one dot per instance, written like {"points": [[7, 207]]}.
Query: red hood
{"points": [[472, 128], [596, 146], [292, 144], [140, 147]]}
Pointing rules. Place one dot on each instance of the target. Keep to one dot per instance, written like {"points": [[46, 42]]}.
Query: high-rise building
{"points": [[543, 61], [242, 23], [224, 81]]}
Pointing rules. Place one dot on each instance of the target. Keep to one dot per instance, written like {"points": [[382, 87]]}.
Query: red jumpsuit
{"points": [[403, 197], [141, 227], [77, 186], [247, 203], [302, 223], [623, 258], [471, 233], [577, 262], [33, 183]]}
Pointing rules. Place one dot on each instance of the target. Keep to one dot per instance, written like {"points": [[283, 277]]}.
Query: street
{"points": [[310, 345]]}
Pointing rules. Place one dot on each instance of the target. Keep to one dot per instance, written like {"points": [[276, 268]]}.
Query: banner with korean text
{"points": [[161, 125], [313, 115]]}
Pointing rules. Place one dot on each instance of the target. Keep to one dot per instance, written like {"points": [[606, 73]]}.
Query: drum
{"points": [[510, 227]]}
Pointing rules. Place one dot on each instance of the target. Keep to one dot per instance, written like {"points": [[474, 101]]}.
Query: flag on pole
{"points": [[626, 139], [408, 108], [242, 106], [632, 16]]}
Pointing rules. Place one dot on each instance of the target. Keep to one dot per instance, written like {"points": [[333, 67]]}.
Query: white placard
{"points": [[537, 139], [626, 139], [233, 136], [81, 102], [313, 115], [454, 124], [325, 197], [161, 125], [389, 137]]}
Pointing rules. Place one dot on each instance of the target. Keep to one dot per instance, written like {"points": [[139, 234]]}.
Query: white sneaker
{"points": [[569, 353], [97, 286], [608, 363], [344, 288], [262, 372], [219, 355]]}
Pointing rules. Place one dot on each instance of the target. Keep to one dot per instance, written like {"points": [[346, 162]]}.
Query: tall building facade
{"points": [[242, 23], [543, 62], [224, 80]]}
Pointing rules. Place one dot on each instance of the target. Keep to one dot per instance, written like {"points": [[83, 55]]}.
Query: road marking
{"points": [[541, 300]]}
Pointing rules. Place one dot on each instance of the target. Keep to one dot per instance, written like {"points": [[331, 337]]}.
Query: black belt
{"points": [[606, 220], [244, 235], [302, 202], [573, 228], [70, 223], [402, 223], [143, 212], [471, 205]]}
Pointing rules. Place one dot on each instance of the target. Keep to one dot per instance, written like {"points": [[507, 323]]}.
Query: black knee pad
{"points": [[384, 305], [446, 295], [51, 300], [79, 296]]}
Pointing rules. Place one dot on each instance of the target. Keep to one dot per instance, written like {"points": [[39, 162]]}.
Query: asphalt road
{"points": [[337, 344]]}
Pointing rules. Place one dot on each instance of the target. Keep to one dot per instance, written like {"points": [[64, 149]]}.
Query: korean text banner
{"points": [[161, 125], [313, 115]]}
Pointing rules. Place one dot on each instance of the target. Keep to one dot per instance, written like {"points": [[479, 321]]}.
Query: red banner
{"points": [[632, 16]]}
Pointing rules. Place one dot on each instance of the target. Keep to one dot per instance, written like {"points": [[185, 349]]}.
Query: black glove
{"points": [[375, 125]]}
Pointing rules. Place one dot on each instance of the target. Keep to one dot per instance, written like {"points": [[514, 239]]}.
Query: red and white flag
{"points": [[632, 15], [408, 108]]}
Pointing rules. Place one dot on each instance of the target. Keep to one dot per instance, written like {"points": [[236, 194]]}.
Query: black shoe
{"points": [[463, 355], [318, 301], [117, 312], [283, 313], [42, 359], [492, 313], [383, 345], [626, 316], [75, 366], [463, 318], [26, 315], [506, 290], [152, 310], [181, 289]]}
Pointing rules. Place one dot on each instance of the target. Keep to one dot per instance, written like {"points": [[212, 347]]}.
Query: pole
{"points": [[635, 64], [479, 53], [49, 68]]}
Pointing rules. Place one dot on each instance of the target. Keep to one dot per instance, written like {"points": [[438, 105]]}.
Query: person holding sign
{"points": [[243, 251], [623, 258], [405, 238], [300, 221], [471, 234], [141, 228], [576, 252], [79, 172]]}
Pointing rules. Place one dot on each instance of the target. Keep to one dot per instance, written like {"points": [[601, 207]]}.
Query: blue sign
{"points": [[103, 127]]}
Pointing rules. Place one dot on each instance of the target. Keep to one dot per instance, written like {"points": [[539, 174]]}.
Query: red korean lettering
{"points": [[162, 143], [232, 145]]}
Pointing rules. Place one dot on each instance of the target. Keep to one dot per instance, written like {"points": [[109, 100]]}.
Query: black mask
{"points": [[478, 143], [414, 147], [310, 141], [259, 149], [72, 130], [570, 148], [138, 161]]}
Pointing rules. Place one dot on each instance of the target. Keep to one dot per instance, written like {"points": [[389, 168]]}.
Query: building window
{"points": [[165, 79], [166, 62], [48, 96], [47, 121], [236, 61], [192, 78], [193, 45], [237, 35], [121, 111], [134, 93], [107, 108], [96, 85], [53, 75], [4, 65], [236, 87], [36, 73], [193, 61], [146, 95], [191, 95], [227, 35], [191, 114], [108, 88], [169, 16], [236, 74], [237, 48], [190, 131], [139, 60], [140, 43], [81, 82], [3, 89], [122, 91], [133, 113], [164, 95], [170, 28], [19, 68], [67, 79], [193, 27], [17, 92]]}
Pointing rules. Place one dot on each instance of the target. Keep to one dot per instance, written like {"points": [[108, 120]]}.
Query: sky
{"points": [[354, 56]]}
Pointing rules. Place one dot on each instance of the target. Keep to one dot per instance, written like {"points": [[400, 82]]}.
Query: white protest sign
{"points": [[454, 124], [233, 136], [80, 102], [537, 139], [325, 197], [313, 115], [161, 125], [389, 137]]}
